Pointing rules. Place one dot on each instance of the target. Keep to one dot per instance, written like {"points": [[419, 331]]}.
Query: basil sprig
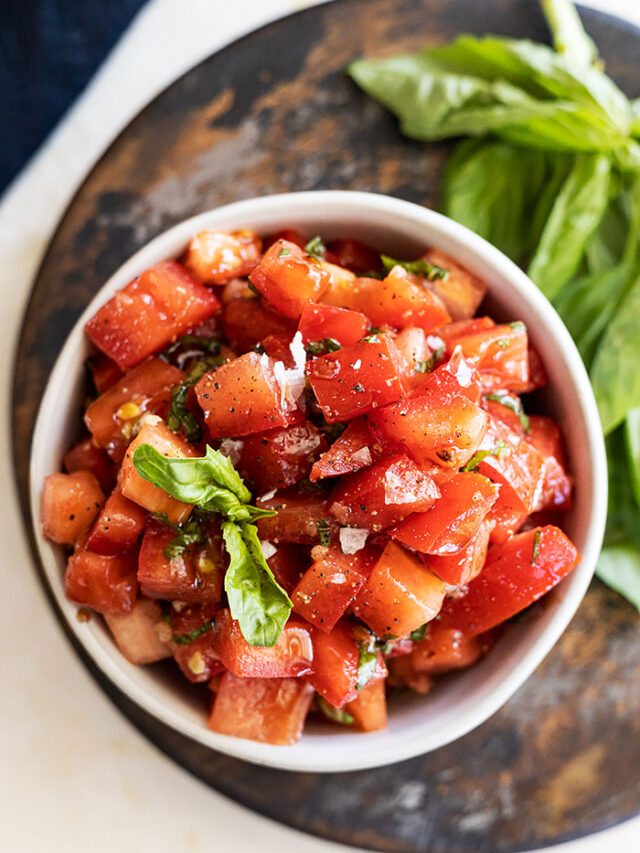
{"points": [[256, 599]]}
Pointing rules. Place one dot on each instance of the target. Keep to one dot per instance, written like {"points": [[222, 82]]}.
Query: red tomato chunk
{"points": [[107, 584], [69, 504], [291, 656], [215, 257], [280, 457], [348, 453], [288, 278], [151, 312], [318, 322], [118, 526]]}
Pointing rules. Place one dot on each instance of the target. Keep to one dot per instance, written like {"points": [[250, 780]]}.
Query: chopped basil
{"points": [[179, 416], [316, 248], [367, 661], [536, 547], [196, 633], [253, 288], [322, 346], [428, 365], [501, 449], [191, 532], [518, 326], [324, 531], [336, 715], [419, 633], [419, 267], [284, 252], [510, 401]]}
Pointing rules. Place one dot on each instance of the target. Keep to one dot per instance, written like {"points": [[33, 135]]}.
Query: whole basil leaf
{"points": [[569, 36], [614, 375], [576, 213], [210, 482], [619, 567], [256, 600]]}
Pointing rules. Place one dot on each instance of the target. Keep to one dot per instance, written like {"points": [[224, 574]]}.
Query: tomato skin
{"points": [[356, 379], [107, 584], [85, 456], [297, 518], [319, 321], [118, 526], [280, 457], [195, 576], [445, 649], [104, 372], [149, 313], [556, 487], [198, 659], [141, 491], [452, 331], [369, 708], [331, 583], [400, 595], [355, 256], [246, 322], [215, 257], [509, 582], [350, 452], [467, 564], [148, 387], [454, 519], [499, 412], [440, 426], [287, 565], [462, 292], [290, 235], [383, 494], [269, 710], [287, 278], [68, 505], [241, 397], [335, 664], [290, 657], [278, 348], [500, 355], [538, 376], [135, 632]]}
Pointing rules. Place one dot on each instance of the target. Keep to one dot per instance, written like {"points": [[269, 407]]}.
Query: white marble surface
{"points": [[75, 776]]}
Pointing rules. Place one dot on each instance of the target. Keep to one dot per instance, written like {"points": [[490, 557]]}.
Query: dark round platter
{"points": [[274, 112]]}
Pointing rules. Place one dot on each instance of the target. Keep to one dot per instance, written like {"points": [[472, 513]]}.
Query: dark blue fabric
{"points": [[49, 50]]}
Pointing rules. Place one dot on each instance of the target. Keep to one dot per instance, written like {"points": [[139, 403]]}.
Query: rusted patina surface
{"points": [[275, 112]]}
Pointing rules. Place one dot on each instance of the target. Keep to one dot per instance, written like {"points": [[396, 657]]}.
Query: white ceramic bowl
{"points": [[463, 701]]}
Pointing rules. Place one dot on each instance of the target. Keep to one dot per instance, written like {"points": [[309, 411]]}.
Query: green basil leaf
{"points": [[195, 634], [419, 633], [322, 346], [614, 374], [619, 567], [336, 715], [210, 482], [256, 600], [569, 36], [576, 213], [632, 441], [316, 248], [501, 449], [367, 662], [419, 267], [514, 404], [180, 417]]}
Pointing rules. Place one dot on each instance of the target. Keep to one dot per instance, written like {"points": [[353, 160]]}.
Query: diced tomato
{"points": [[118, 526], [418, 349], [104, 372], [445, 649], [356, 379], [113, 417], [137, 633], [269, 710], [383, 494], [440, 426], [287, 565], [246, 322], [515, 575], [318, 322], [329, 586], [299, 518], [287, 278], [85, 456], [369, 708], [538, 376], [499, 354], [68, 505], [335, 664], [149, 313], [349, 452], [280, 457], [107, 584], [505, 518], [403, 675], [449, 333], [453, 520], [194, 576], [400, 595], [467, 564], [194, 641], [461, 292], [290, 235], [241, 397], [291, 656], [505, 411], [278, 348], [143, 492], [555, 487], [452, 377], [355, 256], [217, 256]]}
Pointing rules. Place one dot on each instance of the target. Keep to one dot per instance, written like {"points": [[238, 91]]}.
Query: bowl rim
{"points": [[291, 206]]}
